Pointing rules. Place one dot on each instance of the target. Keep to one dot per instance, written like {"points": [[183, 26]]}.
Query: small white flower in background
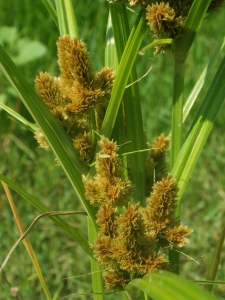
{"points": [[14, 290]]}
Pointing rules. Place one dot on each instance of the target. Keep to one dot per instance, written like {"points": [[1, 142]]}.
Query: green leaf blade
{"points": [[54, 133], [163, 285], [200, 129]]}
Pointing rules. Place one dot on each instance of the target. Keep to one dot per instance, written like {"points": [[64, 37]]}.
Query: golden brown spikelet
{"points": [[115, 191], [159, 148], [104, 79], [92, 191], [83, 99], [164, 22], [176, 236], [42, 140], [116, 280], [47, 88], [102, 250], [131, 229], [106, 220], [108, 162], [161, 204], [138, 264], [160, 214], [74, 61], [83, 144], [109, 185]]}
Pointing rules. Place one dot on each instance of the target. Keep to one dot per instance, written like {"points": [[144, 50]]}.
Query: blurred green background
{"points": [[29, 35]]}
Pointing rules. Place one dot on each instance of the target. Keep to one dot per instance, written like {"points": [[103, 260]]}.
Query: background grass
{"points": [[203, 204]]}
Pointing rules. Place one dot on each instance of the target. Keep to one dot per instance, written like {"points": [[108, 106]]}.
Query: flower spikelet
{"points": [[82, 99], [116, 280], [48, 90], [83, 144], [108, 186], [112, 190], [74, 61], [162, 204], [163, 21], [106, 220], [83, 89], [108, 162], [160, 214], [158, 154], [104, 79], [103, 251], [39, 136], [176, 236], [131, 229], [134, 249]]}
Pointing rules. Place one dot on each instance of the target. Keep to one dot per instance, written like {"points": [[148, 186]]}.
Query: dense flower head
{"points": [[109, 184], [73, 95], [160, 214], [130, 236], [164, 22]]}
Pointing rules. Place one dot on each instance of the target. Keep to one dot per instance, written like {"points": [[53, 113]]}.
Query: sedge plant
{"points": [[130, 188]]}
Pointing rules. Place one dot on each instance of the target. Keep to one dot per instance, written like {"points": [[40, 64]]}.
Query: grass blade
{"points": [[200, 130], [201, 81], [97, 282], [132, 108], [66, 18], [57, 138], [74, 234], [196, 14], [214, 264], [26, 242], [123, 73], [51, 9], [163, 285], [18, 117]]}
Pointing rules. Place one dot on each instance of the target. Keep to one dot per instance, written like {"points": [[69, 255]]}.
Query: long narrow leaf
{"points": [[214, 264], [200, 130], [201, 81], [26, 242], [66, 18], [51, 9], [17, 116], [123, 73], [97, 282], [193, 22], [57, 138], [74, 234], [133, 116], [163, 285]]}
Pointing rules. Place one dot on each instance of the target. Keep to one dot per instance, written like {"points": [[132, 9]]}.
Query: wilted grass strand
{"points": [[74, 234]]}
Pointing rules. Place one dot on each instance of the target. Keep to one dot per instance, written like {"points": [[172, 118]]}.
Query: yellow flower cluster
{"points": [[72, 96], [166, 18], [130, 236]]}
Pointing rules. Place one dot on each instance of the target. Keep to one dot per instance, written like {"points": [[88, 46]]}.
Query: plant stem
{"points": [[177, 110], [176, 132], [97, 284], [132, 108]]}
